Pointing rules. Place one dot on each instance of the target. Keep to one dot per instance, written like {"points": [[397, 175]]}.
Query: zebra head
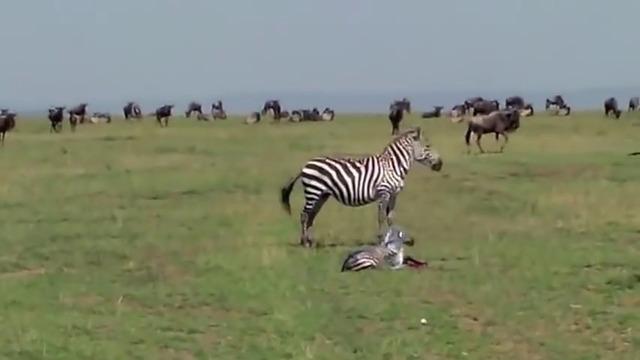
{"points": [[422, 150], [396, 237]]}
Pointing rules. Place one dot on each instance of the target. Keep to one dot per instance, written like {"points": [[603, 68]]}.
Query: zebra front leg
{"points": [[391, 205], [308, 216], [383, 205]]}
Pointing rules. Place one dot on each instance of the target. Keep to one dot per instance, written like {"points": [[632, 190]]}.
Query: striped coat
{"points": [[389, 253], [358, 182]]}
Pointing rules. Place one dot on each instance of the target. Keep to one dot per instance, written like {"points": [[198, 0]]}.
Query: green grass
{"points": [[127, 241]]}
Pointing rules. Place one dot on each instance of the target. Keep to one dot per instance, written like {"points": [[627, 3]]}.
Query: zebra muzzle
{"points": [[437, 166]]}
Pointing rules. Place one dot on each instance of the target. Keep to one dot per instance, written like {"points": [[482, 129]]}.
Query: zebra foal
{"points": [[357, 182], [389, 252]]}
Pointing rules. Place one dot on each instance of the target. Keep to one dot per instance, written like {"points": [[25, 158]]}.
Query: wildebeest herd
{"points": [[477, 111]]}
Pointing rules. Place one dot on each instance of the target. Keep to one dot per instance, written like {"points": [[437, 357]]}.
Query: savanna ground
{"points": [[127, 241]]}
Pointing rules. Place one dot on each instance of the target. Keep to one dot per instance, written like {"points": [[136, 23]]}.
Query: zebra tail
{"points": [[285, 193], [467, 136]]}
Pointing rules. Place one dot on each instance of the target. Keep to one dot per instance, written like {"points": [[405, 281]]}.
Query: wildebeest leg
{"points": [[478, 137], [504, 143], [395, 128], [307, 217], [2, 135]]}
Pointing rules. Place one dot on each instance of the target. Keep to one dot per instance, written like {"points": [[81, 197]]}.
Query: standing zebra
{"points": [[357, 182], [389, 252]]}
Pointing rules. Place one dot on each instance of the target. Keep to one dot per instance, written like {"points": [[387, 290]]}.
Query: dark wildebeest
{"points": [[435, 113], [468, 104], [77, 114], [395, 117], [558, 103], [56, 117], [527, 110], [484, 107], [634, 103], [404, 105], [7, 123], [193, 107], [284, 114], [327, 114], [217, 111], [132, 111], [514, 102], [305, 115], [100, 117], [272, 106], [498, 122], [162, 114], [253, 118], [457, 112], [611, 107]]}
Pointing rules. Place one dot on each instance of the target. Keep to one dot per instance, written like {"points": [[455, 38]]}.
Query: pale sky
{"points": [[66, 51]]}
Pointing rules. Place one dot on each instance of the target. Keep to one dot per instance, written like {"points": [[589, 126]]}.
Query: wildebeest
{"points": [[56, 117], [305, 115], [100, 117], [253, 118], [527, 110], [435, 113], [162, 114], [457, 112], [611, 107], [634, 103], [395, 117], [284, 114], [327, 114], [193, 107], [7, 123], [273, 107], [484, 107], [77, 114], [468, 104], [514, 102], [217, 111], [132, 111], [557, 103], [404, 105], [499, 122]]}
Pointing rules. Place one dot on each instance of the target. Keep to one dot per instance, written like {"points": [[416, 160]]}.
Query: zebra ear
{"points": [[418, 131]]}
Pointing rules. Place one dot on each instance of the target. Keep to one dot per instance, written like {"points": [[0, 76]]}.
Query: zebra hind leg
{"points": [[308, 216]]}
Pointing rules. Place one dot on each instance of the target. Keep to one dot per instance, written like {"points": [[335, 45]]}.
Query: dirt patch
{"points": [[23, 273]]}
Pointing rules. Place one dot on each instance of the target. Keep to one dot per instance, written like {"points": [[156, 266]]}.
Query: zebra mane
{"points": [[414, 134]]}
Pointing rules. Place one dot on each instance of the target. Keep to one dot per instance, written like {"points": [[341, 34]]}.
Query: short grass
{"points": [[128, 241]]}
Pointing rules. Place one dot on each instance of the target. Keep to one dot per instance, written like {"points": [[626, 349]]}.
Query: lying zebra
{"points": [[389, 252]]}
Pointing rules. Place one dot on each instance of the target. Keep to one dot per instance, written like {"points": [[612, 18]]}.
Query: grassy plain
{"points": [[128, 241]]}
